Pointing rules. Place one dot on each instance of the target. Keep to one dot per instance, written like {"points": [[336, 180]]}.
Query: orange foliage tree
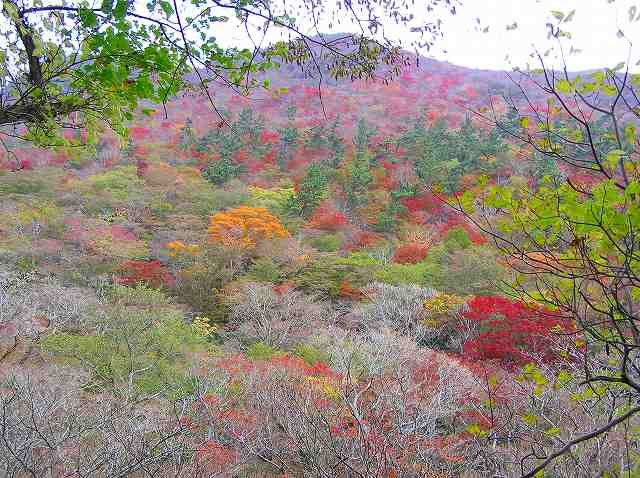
{"points": [[245, 226]]}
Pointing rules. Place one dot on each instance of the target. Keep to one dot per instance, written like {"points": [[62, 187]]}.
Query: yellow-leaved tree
{"points": [[245, 226]]}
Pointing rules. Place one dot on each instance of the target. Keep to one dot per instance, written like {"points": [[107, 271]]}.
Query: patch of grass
{"points": [[327, 243], [261, 351], [138, 294], [16, 184], [310, 354]]}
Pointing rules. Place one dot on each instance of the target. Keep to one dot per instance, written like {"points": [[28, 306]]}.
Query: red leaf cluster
{"points": [[139, 132], [151, 273], [421, 202], [512, 332], [216, 457], [347, 291], [456, 220], [410, 253], [327, 218], [141, 167], [269, 137], [363, 239]]}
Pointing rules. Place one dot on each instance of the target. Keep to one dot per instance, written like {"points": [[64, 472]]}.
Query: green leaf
{"points": [[613, 158], [107, 6], [530, 420], [524, 122], [630, 134], [121, 10], [563, 86], [557, 14], [167, 8], [475, 429], [39, 47], [11, 9], [467, 200], [553, 431], [598, 76], [88, 18]]}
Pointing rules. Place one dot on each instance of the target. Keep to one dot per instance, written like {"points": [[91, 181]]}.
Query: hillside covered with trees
{"points": [[406, 269]]}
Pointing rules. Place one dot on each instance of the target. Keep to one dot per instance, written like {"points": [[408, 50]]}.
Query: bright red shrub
{"points": [[347, 291], [151, 273], [327, 218], [120, 233], [422, 202], [363, 239], [270, 157], [141, 167], [410, 253], [512, 332], [269, 137], [474, 235], [139, 132], [26, 164], [216, 457]]}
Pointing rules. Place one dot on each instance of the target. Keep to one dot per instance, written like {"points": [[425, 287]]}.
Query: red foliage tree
{"points": [[422, 202], [513, 333], [410, 253], [141, 167], [363, 239], [327, 218], [269, 137], [151, 273], [139, 132]]}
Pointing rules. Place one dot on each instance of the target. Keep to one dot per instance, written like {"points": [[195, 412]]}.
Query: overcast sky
{"points": [[594, 31]]}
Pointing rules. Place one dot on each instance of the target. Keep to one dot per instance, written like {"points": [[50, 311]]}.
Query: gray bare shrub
{"points": [[398, 307], [279, 319]]}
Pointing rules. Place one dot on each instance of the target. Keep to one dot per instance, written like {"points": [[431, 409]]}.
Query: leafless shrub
{"points": [[545, 409], [366, 421], [397, 307], [49, 428], [31, 304], [279, 319]]}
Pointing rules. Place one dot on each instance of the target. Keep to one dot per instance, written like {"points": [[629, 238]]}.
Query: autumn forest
{"points": [[327, 257]]}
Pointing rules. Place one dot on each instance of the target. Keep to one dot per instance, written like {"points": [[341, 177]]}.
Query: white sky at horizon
{"points": [[594, 31]]}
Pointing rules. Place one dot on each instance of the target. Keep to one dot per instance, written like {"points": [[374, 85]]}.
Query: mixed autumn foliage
{"points": [[281, 294]]}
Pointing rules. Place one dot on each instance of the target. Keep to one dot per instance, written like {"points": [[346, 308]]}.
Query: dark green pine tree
{"points": [[288, 140], [226, 144], [336, 144], [187, 135], [249, 127], [387, 220], [544, 167], [509, 124], [436, 161], [363, 135], [468, 146], [312, 190], [359, 178], [316, 138]]}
